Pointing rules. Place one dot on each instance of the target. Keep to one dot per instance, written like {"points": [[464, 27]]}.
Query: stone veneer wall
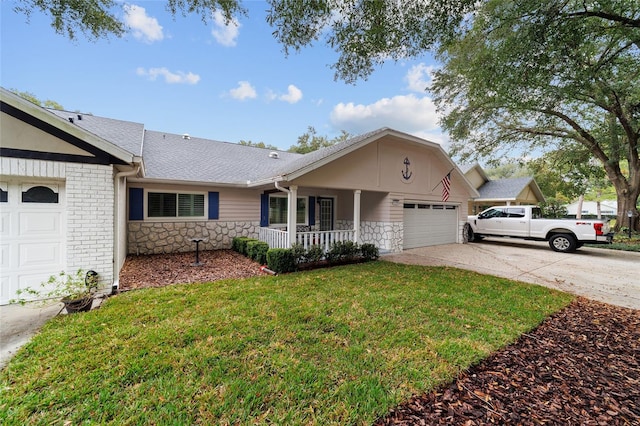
{"points": [[171, 237], [387, 236]]}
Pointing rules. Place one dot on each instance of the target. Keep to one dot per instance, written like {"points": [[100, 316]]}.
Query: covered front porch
{"points": [[309, 233]]}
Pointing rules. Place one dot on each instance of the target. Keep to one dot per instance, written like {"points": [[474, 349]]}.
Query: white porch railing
{"points": [[279, 239], [276, 238], [323, 239]]}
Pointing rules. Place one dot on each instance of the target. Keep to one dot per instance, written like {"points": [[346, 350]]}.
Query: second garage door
{"points": [[429, 224]]}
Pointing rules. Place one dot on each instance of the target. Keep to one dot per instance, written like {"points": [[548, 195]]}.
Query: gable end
{"points": [[100, 157]]}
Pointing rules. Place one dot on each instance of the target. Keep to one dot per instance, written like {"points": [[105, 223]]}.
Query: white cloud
{"points": [[419, 77], [144, 27], [293, 95], [244, 91], [225, 34], [410, 114], [178, 77]]}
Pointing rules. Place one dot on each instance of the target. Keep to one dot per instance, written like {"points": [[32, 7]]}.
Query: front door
{"points": [[326, 214]]}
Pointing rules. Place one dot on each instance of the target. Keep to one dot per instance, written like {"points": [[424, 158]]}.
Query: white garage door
{"points": [[429, 224], [32, 232]]}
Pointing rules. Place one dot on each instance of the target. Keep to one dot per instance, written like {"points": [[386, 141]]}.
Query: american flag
{"points": [[446, 186]]}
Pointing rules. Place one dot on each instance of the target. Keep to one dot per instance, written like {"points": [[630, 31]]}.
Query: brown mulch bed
{"points": [[579, 367], [159, 270]]}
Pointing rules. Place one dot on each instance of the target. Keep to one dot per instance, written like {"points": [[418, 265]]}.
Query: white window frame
{"points": [[174, 218], [283, 225]]}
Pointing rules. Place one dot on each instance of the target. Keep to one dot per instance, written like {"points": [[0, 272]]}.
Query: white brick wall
{"points": [[90, 209]]}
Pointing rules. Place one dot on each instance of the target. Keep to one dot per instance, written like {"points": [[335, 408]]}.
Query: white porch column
{"points": [[292, 207], [356, 215]]}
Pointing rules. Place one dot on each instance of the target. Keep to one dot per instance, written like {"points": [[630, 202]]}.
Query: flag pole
{"points": [[440, 183]]}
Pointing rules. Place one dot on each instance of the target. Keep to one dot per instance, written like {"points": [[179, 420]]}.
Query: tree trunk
{"points": [[579, 209], [627, 204]]}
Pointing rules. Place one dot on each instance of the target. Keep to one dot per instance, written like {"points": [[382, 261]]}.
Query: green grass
{"points": [[331, 346], [621, 241]]}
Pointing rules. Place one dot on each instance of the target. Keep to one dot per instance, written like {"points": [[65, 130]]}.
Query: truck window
{"points": [[492, 213], [515, 211], [536, 213]]}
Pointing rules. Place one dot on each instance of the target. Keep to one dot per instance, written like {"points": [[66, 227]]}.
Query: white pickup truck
{"points": [[564, 235]]}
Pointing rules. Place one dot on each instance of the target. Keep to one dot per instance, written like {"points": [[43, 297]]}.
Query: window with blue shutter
{"points": [[264, 210], [312, 211], [136, 203], [214, 205]]}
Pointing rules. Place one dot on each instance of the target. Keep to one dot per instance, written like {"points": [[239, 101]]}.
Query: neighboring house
{"points": [[80, 191], [608, 208], [500, 192]]}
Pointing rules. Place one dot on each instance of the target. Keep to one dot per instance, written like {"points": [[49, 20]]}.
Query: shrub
{"points": [[349, 250], [314, 254], [257, 250], [369, 252], [335, 252], [239, 244], [299, 253], [281, 260], [235, 244]]}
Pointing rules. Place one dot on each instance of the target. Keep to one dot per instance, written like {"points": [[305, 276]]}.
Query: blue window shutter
{"points": [[136, 203], [214, 205], [312, 211], [264, 210]]}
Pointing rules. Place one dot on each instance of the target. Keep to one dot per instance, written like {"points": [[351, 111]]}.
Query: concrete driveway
{"points": [[609, 276]]}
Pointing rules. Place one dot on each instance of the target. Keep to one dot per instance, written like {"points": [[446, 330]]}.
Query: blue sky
{"points": [[227, 83]]}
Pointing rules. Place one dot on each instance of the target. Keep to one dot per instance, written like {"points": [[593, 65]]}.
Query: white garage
{"points": [[427, 224], [59, 185], [32, 231]]}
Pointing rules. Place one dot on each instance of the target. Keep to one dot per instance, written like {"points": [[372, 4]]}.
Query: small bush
{"points": [[334, 254], [241, 244], [314, 254], [299, 253], [369, 252], [235, 243], [281, 260], [350, 250], [257, 250]]}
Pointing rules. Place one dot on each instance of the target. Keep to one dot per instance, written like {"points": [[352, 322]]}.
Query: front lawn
{"points": [[331, 346]]}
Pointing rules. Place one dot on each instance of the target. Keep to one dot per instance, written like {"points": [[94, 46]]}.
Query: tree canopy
{"points": [[102, 18], [311, 141], [35, 100], [553, 76]]}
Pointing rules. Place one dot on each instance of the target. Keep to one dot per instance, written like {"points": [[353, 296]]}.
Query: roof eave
{"points": [[43, 115], [186, 182]]}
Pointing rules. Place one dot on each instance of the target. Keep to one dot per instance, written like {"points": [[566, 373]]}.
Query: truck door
{"points": [[490, 221], [516, 224]]}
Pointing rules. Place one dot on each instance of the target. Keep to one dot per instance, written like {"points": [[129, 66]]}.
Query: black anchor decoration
{"points": [[406, 174]]}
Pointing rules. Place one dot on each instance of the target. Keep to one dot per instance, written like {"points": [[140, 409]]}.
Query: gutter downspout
{"points": [[116, 225], [291, 211]]}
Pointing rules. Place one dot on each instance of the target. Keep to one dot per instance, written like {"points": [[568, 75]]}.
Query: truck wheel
{"points": [[471, 236], [564, 243]]}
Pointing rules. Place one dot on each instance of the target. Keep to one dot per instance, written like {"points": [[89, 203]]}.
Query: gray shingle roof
{"points": [[504, 188], [171, 157], [125, 134]]}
